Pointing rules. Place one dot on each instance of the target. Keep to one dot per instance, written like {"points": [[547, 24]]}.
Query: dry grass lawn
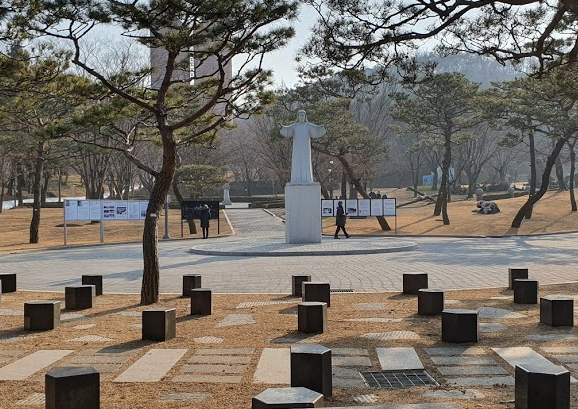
{"points": [[552, 214], [271, 322]]}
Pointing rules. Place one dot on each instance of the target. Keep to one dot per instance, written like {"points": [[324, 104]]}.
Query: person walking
{"points": [[340, 220], [205, 217]]}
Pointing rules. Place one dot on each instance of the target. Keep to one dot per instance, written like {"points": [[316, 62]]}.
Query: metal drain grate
{"points": [[397, 379], [341, 290]]}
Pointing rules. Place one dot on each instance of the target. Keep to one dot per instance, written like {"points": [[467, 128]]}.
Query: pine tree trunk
{"points": [[161, 187], [572, 170], [443, 193], [533, 176], [517, 222], [37, 187]]}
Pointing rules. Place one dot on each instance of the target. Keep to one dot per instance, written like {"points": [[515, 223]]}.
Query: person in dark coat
{"points": [[205, 217], [340, 220]]}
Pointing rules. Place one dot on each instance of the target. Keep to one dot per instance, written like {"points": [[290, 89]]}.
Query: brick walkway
{"points": [[451, 263]]}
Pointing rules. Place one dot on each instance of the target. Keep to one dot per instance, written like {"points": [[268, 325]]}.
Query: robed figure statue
{"points": [[302, 132]]}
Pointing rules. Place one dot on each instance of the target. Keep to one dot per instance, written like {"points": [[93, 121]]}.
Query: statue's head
{"points": [[301, 116]]}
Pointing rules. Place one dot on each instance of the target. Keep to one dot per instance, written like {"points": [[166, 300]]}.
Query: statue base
{"points": [[302, 213]]}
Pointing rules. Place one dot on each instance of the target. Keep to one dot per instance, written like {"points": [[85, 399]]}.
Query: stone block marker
{"points": [[525, 291], [79, 297], [8, 282], [311, 368], [413, 282], [41, 315], [514, 274], [95, 280], [201, 301], [460, 325], [430, 301], [398, 359], [297, 284], [556, 311], [30, 364], [274, 367], [524, 355], [312, 317], [159, 324], [287, 398], [152, 366], [72, 388], [540, 387], [314, 291], [190, 281]]}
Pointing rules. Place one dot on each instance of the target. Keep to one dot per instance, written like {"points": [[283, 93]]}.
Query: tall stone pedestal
{"points": [[302, 213]]}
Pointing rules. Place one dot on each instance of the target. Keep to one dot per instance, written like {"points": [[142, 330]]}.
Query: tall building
{"points": [[158, 58]]}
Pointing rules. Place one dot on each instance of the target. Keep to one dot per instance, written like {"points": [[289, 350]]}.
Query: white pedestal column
{"points": [[226, 197], [302, 213]]}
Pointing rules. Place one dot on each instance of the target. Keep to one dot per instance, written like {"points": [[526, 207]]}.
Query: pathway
{"points": [[452, 263]]}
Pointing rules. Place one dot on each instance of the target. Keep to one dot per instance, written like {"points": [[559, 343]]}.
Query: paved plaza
{"points": [[452, 263]]}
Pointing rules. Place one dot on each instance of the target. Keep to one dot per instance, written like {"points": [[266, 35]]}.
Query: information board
{"points": [[94, 209], [360, 207], [191, 209]]}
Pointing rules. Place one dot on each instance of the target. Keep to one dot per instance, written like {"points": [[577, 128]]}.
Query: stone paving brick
{"points": [[153, 366], [498, 313], [249, 304], [349, 351], [452, 351], [348, 383], [99, 359], [471, 370], [90, 338], [208, 378], [219, 359], [30, 364], [86, 326], [392, 359], [274, 366], [341, 360], [101, 368], [219, 368], [340, 372], [368, 398], [483, 381], [520, 355], [385, 336], [236, 319], [492, 327], [567, 358], [33, 399], [551, 337], [562, 350], [462, 360], [369, 306]]}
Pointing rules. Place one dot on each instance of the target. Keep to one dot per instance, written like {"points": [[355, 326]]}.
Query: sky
{"points": [[282, 62]]}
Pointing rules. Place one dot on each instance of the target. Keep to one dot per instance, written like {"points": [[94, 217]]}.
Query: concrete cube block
{"points": [[95, 280], [297, 284], [413, 282], [41, 315], [190, 281], [515, 273], [79, 297], [314, 291], [557, 311], [312, 317], [542, 387], [459, 325], [287, 398], [311, 368], [8, 283], [159, 324], [72, 388], [430, 301], [201, 301], [525, 291]]}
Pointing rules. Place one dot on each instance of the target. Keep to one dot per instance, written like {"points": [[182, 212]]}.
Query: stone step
{"points": [[274, 367]]}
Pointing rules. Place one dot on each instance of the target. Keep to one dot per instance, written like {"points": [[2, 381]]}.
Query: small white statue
{"points": [[302, 132], [226, 197]]}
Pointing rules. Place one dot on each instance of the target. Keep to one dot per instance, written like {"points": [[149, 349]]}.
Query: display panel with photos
{"points": [[94, 209], [360, 207]]}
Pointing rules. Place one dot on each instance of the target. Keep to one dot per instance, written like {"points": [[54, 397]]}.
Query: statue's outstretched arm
{"points": [[317, 131], [286, 131]]}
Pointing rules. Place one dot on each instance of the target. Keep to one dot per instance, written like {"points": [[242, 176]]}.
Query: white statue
{"points": [[302, 132], [226, 197]]}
